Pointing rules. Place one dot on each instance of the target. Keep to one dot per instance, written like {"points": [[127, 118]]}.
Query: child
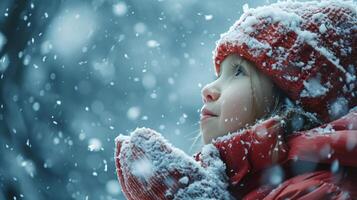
{"points": [[278, 122]]}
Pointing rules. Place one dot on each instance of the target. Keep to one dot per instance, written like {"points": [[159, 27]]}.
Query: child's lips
{"points": [[203, 117], [205, 114]]}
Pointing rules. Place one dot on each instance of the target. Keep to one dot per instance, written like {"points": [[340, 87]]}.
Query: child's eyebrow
{"points": [[243, 65], [232, 62]]}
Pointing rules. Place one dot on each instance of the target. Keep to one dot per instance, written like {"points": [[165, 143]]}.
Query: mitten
{"points": [[149, 168]]}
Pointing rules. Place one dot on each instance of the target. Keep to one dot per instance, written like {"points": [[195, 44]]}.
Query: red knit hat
{"points": [[308, 49]]}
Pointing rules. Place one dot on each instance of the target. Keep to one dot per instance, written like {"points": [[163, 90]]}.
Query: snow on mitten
{"points": [[149, 168]]}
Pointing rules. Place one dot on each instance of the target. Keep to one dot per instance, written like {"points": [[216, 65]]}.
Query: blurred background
{"points": [[76, 73]]}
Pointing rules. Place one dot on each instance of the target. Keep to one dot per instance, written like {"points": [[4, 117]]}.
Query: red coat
{"points": [[260, 164]]}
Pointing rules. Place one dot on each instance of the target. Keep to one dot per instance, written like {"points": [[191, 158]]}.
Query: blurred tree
{"points": [[23, 22]]}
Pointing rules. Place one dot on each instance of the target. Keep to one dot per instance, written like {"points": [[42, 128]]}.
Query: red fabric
{"points": [[339, 145], [129, 182], [149, 168], [287, 52], [253, 149], [310, 186], [156, 187], [249, 153]]}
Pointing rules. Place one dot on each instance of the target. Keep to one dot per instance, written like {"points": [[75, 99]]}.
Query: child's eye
{"points": [[238, 69]]}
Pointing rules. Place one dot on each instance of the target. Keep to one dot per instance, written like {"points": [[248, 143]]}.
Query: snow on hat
{"points": [[308, 49]]}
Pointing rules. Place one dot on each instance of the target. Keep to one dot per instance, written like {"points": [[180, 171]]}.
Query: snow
{"points": [[149, 81], [4, 63], [150, 141], [208, 17], [105, 165], [120, 9], [152, 43], [184, 180], [324, 130], [26, 60], [313, 88], [112, 187], [322, 28], [133, 112], [261, 131], [281, 12], [160, 157], [153, 95], [274, 12], [62, 36], [56, 140], [245, 7], [338, 108], [36, 106], [171, 81], [335, 166], [28, 165], [94, 144], [140, 28], [213, 187], [67, 93], [28, 143], [350, 78], [142, 169], [105, 69], [274, 175]]}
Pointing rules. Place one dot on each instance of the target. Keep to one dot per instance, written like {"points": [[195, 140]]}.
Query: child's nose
{"points": [[210, 94]]}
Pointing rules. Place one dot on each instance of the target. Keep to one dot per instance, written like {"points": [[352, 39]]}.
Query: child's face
{"points": [[228, 101]]}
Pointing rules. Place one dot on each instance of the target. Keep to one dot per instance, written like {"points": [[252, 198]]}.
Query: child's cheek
{"points": [[237, 110]]}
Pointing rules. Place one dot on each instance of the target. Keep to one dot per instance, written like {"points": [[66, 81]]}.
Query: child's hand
{"points": [[148, 167]]}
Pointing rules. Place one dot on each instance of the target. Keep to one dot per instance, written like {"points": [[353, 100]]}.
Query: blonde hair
{"points": [[255, 78], [281, 105]]}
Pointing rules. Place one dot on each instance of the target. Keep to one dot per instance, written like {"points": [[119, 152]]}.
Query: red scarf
{"points": [[247, 154]]}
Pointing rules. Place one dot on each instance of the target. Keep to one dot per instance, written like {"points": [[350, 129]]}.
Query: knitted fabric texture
{"points": [[308, 49]]}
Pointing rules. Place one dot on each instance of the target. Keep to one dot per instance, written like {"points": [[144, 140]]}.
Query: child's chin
{"points": [[207, 139], [209, 135], [210, 129]]}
